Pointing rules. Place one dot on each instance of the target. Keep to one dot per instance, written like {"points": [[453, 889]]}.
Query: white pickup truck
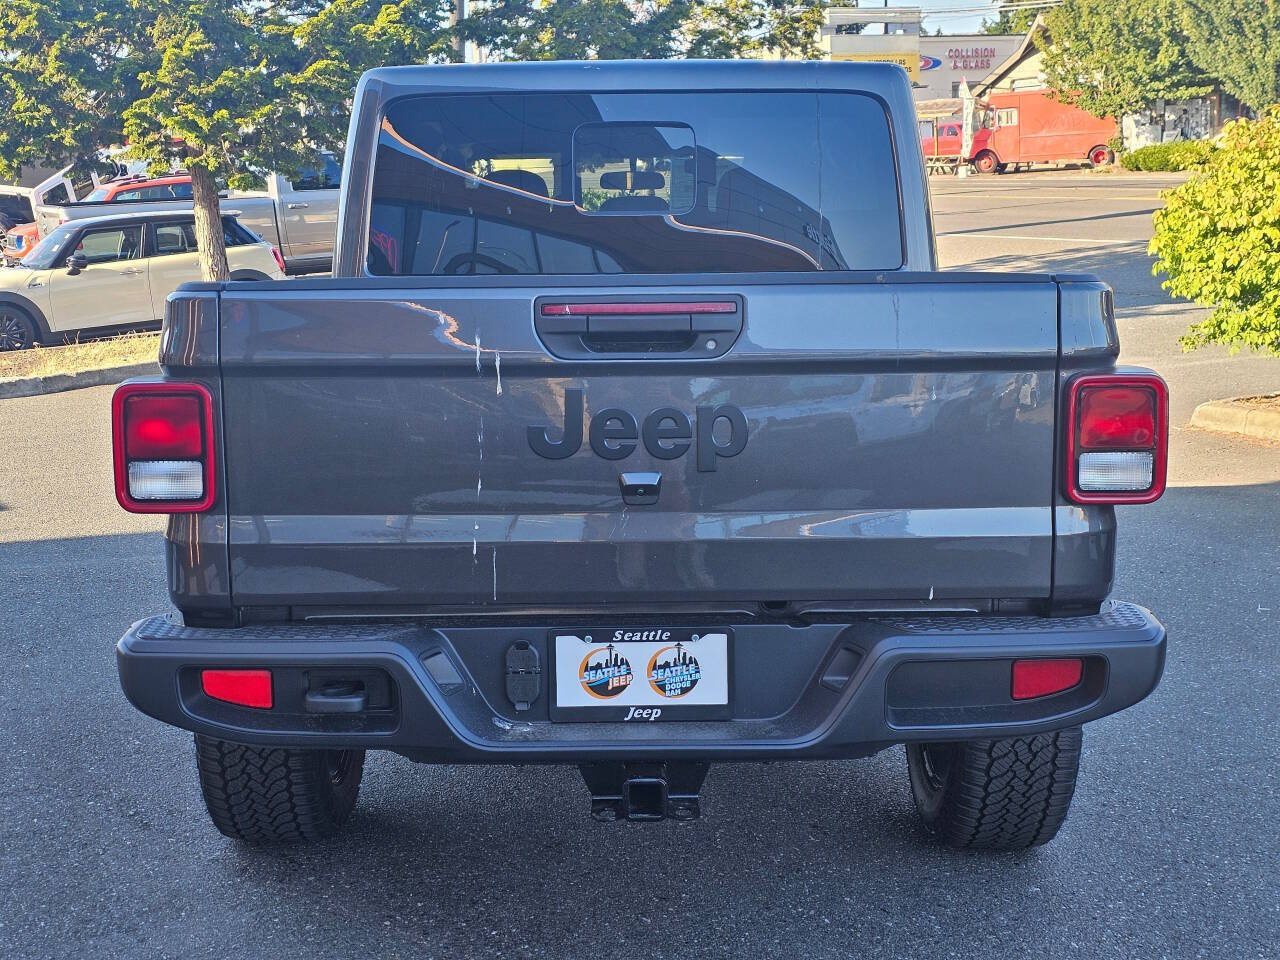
{"points": [[18, 201], [299, 218]]}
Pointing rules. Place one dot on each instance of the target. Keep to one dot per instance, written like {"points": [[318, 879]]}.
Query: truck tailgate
{"points": [[898, 446]]}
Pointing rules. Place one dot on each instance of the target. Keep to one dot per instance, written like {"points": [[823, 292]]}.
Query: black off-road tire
{"points": [[277, 795], [995, 794]]}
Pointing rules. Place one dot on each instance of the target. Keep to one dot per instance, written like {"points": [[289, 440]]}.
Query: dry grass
{"points": [[118, 351]]}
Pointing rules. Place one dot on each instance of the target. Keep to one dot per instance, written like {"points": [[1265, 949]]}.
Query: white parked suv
{"points": [[114, 273]]}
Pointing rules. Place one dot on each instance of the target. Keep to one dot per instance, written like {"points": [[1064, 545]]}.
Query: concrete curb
{"points": [[36, 386], [1230, 416]]}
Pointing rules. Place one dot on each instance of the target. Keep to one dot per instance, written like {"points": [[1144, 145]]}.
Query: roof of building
{"points": [[1025, 51]]}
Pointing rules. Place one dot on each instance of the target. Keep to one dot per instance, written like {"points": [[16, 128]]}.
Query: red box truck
{"points": [[1033, 127]]}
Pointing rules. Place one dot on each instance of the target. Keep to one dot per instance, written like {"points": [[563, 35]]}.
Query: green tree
{"points": [[1111, 59], [225, 89], [1016, 20], [1238, 42], [577, 29], [752, 28], [1217, 239], [642, 29]]}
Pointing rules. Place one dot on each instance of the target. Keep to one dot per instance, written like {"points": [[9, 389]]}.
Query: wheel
{"points": [[986, 162], [273, 794], [995, 794], [1100, 156], [17, 332]]}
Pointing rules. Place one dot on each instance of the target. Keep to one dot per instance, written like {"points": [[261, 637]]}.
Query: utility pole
{"points": [[456, 15]]}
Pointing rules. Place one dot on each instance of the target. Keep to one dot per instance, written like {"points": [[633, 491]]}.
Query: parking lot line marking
{"points": [[1027, 236], [1028, 192]]}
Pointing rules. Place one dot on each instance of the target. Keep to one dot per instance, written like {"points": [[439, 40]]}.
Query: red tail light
{"points": [[279, 260], [246, 688], [1117, 438], [162, 439]]}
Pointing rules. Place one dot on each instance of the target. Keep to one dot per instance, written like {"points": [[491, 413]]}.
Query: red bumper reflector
{"points": [[1039, 678], [247, 688]]}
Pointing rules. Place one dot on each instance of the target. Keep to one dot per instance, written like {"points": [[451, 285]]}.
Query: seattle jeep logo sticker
{"points": [[673, 671], [605, 673]]}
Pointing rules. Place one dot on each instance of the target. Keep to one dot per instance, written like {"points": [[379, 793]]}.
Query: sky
{"points": [[936, 15]]}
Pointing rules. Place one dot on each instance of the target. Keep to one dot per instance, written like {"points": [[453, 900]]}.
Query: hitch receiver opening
{"points": [[644, 792]]}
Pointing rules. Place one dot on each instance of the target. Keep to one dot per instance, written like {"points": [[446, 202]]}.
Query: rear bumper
{"points": [[799, 691]]}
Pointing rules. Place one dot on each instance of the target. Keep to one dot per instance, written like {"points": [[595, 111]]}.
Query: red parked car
{"points": [[176, 187]]}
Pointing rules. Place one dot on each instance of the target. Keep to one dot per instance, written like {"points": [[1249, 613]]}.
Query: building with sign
{"points": [[936, 65], [946, 62], [880, 34]]}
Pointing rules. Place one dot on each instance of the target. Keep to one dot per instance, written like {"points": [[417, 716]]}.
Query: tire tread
{"points": [[1008, 794], [272, 795]]}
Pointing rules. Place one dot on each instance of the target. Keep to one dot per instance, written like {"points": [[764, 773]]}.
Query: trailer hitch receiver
{"points": [[644, 791]]}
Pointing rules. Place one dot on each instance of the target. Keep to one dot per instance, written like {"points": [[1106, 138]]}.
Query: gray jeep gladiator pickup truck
{"points": [[637, 430]]}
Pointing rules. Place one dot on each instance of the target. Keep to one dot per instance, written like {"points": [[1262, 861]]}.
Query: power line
{"points": [[969, 11]]}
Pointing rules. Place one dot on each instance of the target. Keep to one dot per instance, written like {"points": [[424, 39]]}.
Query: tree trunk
{"points": [[209, 238]]}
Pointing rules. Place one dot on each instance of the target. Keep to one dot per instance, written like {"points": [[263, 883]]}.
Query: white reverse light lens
{"points": [[166, 479], [1115, 471]]}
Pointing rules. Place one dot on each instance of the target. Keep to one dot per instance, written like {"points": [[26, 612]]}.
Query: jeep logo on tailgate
{"points": [[666, 432]]}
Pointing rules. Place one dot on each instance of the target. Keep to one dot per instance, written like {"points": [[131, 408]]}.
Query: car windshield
{"points": [[42, 254], [97, 196]]}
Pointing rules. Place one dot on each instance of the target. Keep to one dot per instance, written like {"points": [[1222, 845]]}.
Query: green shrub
{"points": [[1218, 239], [1167, 157]]}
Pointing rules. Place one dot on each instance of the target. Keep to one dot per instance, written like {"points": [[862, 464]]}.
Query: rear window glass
{"points": [[15, 209], [634, 183]]}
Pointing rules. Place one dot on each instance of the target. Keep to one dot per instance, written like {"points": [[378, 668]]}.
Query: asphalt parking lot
{"points": [[1170, 851]]}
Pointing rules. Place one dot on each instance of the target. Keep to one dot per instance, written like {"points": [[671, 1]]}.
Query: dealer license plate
{"points": [[630, 673]]}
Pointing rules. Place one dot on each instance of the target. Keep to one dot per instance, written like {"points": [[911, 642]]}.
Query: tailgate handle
{"points": [[640, 489], [634, 329]]}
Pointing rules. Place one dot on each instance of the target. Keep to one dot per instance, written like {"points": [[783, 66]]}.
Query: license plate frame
{"points": [[709, 697]]}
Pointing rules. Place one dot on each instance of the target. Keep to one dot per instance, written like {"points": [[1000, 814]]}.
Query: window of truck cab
{"points": [[681, 182], [326, 177]]}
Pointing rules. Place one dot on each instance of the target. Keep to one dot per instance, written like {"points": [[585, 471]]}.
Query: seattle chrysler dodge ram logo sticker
{"points": [[673, 671], [604, 672], [666, 432]]}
